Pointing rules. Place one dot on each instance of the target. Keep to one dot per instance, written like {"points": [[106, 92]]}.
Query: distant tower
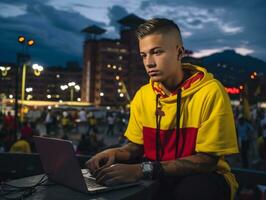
{"points": [[128, 25], [90, 47], [136, 71]]}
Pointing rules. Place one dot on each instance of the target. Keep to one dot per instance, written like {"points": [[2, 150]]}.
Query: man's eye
{"points": [[157, 52]]}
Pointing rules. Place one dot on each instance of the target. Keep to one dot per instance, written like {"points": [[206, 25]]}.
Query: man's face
{"points": [[160, 56]]}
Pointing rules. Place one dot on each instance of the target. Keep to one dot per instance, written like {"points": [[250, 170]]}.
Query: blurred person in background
{"points": [[244, 130], [48, 122], [111, 124], [92, 121]]}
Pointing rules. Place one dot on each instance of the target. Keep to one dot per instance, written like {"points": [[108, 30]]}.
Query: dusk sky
{"points": [[207, 26]]}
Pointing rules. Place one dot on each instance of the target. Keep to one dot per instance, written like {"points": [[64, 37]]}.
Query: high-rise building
{"points": [[112, 68]]}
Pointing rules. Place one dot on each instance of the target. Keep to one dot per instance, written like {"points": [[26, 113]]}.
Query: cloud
{"points": [[230, 29], [57, 33], [115, 13], [207, 52], [206, 25], [244, 51], [12, 10], [215, 24]]}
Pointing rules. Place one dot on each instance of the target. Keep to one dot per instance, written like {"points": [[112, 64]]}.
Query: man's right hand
{"points": [[101, 160]]}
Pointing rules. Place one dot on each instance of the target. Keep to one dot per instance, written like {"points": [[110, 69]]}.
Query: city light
{"points": [[108, 66], [49, 96], [232, 90], [71, 84], [29, 89], [10, 96], [37, 69], [77, 87], [78, 99], [63, 87], [57, 76], [120, 68], [121, 95], [4, 70], [117, 77], [29, 97], [101, 94], [21, 39], [31, 42], [114, 66]]}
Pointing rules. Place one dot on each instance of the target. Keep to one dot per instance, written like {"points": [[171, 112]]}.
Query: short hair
{"points": [[156, 25]]}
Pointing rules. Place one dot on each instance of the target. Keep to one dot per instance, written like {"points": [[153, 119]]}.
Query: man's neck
{"points": [[173, 83]]}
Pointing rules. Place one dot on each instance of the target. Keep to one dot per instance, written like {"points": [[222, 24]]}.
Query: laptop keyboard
{"points": [[91, 183]]}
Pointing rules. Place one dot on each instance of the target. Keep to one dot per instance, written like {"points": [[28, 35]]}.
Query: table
{"points": [[60, 192]]}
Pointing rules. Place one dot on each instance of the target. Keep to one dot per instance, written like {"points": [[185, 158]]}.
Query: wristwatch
{"points": [[147, 169]]}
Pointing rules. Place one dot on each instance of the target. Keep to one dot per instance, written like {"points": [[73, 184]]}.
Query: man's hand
{"points": [[118, 173], [128, 152], [101, 160]]}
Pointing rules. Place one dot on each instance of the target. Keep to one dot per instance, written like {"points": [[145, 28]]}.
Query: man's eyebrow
{"points": [[151, 50]]}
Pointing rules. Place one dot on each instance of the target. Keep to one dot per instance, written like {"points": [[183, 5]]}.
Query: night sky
{"points": [[208, 26]]}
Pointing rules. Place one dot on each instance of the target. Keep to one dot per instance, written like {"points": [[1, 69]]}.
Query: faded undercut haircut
{"points": [[157, 26]]}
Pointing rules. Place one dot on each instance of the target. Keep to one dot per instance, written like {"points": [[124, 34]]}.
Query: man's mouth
{"points": [[153, 72]]}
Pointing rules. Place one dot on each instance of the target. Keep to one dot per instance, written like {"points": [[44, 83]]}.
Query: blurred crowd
{"points": [[251, 133], [86, 127]]}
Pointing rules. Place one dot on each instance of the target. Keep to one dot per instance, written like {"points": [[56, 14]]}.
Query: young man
{"points": [[182, 122]]}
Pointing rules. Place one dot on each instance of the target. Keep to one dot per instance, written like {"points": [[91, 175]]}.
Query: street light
{"points": [[30, 42], [4, 70], [21, 39], [37, 69], [72, 86]]}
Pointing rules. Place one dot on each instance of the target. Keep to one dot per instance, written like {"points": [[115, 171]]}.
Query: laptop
{"points": [[61, 166]]}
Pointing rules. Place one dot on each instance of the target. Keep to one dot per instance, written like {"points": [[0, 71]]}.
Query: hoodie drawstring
{"points": [[178, 113], [157, 128]]}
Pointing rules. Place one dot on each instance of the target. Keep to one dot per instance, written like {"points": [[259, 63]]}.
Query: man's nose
{"points": [[150, 62]]}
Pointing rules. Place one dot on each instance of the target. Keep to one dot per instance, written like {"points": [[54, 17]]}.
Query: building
{"points": [[112, 70], [44, 86]]}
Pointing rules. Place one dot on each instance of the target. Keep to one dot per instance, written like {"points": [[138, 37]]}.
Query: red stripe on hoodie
{"points": [[186, 143]]}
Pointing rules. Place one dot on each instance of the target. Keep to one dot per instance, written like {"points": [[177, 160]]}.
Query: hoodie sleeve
{"points": [[134, 128], [217, 133]]}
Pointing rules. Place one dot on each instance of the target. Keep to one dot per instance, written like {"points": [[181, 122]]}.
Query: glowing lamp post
{"points": [[22, 40]]}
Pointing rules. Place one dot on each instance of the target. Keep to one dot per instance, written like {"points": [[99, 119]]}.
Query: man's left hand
{"points": [[118, 174]]}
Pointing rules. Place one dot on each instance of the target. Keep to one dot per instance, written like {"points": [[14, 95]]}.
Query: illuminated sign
{"points": [[232, 90]]}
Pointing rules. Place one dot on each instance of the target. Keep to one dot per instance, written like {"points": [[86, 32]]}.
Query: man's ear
{"points": [[180, 53]]}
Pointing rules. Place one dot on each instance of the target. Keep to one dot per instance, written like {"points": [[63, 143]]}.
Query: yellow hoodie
{"points": [[205, 122]]}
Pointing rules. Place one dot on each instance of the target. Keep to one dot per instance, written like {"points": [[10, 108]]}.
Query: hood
{"points": [[192, 84]]}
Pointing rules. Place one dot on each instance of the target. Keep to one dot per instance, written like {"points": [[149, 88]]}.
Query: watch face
{"points": [[147, 167]]}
